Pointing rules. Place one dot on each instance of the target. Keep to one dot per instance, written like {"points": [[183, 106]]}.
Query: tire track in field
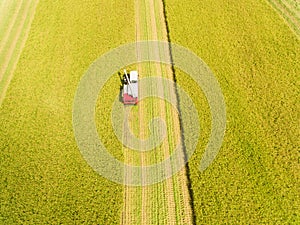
{"points": [[129, 215], [159, 211], [286, 11], [5, 8], [141, 113], [5, 42], [2, 6], [8, 32], [11, 57], [293, 8], [129, 191], [131, 194]]}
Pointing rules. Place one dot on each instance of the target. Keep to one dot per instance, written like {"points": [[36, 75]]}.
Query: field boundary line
{"points": [[11, 72]]}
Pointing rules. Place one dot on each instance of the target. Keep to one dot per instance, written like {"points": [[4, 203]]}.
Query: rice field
{"points": [[255, 56], [253, 49], [44, 178]]}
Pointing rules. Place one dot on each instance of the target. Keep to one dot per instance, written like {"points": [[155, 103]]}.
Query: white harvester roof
{"points": [[131, 90], [134, 75]]}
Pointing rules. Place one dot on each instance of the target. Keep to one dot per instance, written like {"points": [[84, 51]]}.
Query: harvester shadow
{"points": [[120, 94], [121, 87]]}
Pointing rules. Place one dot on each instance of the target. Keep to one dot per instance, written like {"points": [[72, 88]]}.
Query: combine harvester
{"points": [[130, 88]]}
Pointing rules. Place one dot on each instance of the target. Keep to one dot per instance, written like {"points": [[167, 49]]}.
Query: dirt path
{"points": [[11, 57], [167, 202]]}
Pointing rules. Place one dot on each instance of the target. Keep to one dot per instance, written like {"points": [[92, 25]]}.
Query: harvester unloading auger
{"points": [[130, 88]]}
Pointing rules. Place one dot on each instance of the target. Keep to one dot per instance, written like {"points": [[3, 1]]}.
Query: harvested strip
{"points": [[182, 175], [29, 16], [169, 192], [293, 21], [12, 23], [145, 189], [181, 183], [5, 9], [15, 38], [167, 202], [294, 9]]}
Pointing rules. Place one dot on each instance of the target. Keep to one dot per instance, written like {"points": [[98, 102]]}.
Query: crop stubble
{"points": [[255, 57], [169, 200]]}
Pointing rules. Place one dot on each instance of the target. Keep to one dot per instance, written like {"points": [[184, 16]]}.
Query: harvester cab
{"points": [[130, 88]]}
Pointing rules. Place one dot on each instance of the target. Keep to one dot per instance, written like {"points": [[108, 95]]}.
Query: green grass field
{"points": [[255, 56]]}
